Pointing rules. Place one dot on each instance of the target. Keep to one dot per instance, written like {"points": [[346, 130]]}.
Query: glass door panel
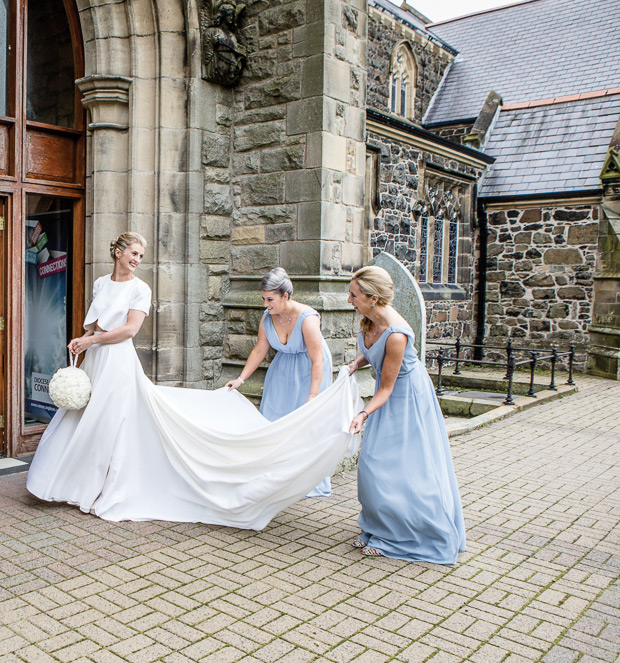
{"points": [[4, 56], [49, 231], [3, 217], [50, 77]]}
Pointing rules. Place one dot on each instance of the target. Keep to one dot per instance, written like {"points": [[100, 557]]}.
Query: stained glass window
{"points": [[438, 250], [452, 248], [394, 90], [423, 248]]}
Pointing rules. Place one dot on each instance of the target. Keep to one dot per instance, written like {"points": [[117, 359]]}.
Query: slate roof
{"points": [[557, 147], [533, 50]]}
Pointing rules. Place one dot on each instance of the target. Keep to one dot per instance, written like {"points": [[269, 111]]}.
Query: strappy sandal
{"points": [[358, 543], [371, 552]]}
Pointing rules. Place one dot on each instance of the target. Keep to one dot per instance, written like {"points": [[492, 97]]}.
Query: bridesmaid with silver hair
{"points": [[302, 367]]}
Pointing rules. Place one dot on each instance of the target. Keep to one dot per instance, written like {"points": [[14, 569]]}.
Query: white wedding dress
{"points": [[144, 452]]}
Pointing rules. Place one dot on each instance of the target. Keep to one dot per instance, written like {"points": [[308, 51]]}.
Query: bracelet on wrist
{"points": [[240, 380], [363, 412]]}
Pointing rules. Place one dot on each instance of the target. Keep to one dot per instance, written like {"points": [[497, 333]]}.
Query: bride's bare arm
{"points": [[135, 319]]}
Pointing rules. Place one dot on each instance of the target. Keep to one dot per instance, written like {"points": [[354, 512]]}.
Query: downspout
{"points": [[481, 215]]}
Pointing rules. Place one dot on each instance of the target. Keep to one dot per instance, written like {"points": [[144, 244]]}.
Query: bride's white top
{"points": [[112, 301]]}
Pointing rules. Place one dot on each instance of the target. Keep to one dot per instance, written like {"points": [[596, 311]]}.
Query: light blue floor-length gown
{"points": [[411, 508], [287, 383]]}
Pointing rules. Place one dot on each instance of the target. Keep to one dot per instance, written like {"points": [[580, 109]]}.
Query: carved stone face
{"points": [[226, 13]]}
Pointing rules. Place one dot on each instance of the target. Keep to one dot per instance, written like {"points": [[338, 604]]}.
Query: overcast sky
{"points": [[438, 10]]}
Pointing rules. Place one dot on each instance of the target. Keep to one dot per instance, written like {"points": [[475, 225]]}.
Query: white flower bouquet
{"points": [[70, 387]]}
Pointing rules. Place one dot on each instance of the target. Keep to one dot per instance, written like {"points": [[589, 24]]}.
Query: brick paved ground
{"points": [[540, 581]]}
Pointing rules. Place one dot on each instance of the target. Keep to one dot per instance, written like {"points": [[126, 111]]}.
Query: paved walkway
{"points": [[540, 580]]}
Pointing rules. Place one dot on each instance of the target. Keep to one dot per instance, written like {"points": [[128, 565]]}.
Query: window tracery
{"points": [[440, 213], [402, 81]]}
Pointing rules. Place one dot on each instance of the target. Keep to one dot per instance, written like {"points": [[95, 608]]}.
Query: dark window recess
{"points": [[438, 250]]}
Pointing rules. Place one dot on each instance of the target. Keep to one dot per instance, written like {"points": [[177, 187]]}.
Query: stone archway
{"points": [[143, 93]]}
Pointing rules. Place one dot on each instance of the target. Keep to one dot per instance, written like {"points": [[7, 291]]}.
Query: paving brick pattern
{"points": [[540, 580]]}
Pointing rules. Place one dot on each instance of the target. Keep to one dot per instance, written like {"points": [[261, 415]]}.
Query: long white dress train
{"points": [[144, 452]]}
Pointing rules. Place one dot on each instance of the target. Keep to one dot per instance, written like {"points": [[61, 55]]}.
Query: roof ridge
{"points": [[481, 11], [561, 100]]}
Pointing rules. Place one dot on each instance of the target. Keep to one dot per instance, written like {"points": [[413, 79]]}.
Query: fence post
{"points": [[457, 348], [439, 389], [511, 369], [508, 358], [571, 359], [554, 359], [531, 392]]}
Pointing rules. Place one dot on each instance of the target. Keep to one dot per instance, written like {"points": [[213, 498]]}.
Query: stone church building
{"points": [[482, 152]]}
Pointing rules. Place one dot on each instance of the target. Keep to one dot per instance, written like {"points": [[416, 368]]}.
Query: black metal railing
{"points": [[455, 356]]}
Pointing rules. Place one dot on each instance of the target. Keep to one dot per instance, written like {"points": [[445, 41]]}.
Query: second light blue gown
{"points": [[411, 507], [287, 383]]}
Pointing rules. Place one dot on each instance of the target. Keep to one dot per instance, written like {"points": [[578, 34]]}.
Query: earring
{"points": [[372, 303]]}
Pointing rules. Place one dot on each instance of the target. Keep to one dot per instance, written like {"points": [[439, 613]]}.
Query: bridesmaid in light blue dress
{"points": [[302, 367], [411, 508]]}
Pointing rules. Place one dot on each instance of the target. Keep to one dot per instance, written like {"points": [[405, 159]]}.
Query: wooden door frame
{"points": [[15, 186]]}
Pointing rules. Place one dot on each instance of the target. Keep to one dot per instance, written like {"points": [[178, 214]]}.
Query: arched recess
{"points": [[403, 80], [147, 108]]}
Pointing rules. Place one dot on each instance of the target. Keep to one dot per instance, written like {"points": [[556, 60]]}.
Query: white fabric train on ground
{"points": [[144, 452]]}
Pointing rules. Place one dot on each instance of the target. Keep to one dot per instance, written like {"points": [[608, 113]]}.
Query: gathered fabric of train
{"points": [[139, 451]]}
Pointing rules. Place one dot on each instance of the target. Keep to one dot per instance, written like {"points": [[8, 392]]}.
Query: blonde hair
{"points": [[125, 240], [374, 282]]}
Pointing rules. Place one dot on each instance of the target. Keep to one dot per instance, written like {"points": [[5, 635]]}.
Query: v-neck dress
{"points": [[287, 383], [411, 507]]}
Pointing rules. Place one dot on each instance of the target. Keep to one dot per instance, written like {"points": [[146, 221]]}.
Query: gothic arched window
{"points": [[402, 81]]}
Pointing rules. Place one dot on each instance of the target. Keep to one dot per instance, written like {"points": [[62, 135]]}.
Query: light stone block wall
{"points": [[226, 183], [147, 109], [297, 173]]}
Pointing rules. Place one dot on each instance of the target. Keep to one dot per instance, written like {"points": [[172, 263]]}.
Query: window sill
{"points": [[442, 291]]}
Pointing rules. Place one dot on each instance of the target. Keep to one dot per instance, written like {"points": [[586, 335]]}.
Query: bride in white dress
{"points": [[139, 451]]}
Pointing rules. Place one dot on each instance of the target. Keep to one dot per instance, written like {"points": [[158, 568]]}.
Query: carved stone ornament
{"points": [[223, 55]]}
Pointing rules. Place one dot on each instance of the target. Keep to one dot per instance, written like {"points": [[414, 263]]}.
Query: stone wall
{"points": [[405, 172], [541, 262], [431, 61], [284, 177], [454, 132]]}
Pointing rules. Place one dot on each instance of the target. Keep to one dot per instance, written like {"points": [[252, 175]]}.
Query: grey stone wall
{"points": [[431, 61], [541, 263], [396, 230], [284, 177], [454, 132]]}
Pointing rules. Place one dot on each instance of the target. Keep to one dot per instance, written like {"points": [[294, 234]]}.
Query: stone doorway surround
{"points": [[147, 106]]}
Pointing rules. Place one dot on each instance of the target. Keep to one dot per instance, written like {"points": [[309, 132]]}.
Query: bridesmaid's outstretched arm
{"points": [[258, 354], [311, 329]]}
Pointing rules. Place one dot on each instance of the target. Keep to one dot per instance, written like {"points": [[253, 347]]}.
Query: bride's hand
{"points": [[78, 345], [234, 384]]}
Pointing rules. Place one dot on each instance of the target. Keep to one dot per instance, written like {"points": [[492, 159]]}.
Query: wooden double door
{"points": [[42, 146]]}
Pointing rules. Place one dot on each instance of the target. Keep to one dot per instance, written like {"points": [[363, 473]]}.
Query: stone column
{"points": [[298, 168], [604, 352]]}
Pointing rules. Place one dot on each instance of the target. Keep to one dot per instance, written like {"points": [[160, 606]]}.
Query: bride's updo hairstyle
{"points": [[125, 240], [374, 282], [277, 280]]}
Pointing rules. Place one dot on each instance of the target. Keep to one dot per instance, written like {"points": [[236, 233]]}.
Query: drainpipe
{"points": [[481, 215]]}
